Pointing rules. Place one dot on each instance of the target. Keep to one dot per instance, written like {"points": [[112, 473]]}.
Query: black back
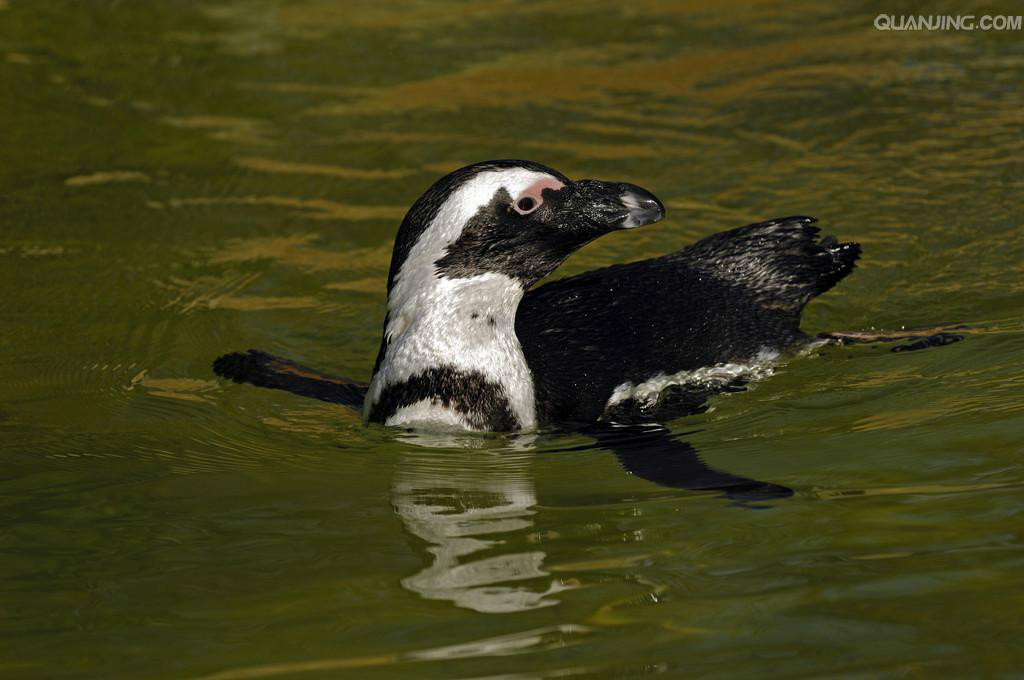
{"points": [[724, 299]]}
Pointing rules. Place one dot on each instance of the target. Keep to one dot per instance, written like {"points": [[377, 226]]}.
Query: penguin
{"points": [[452, 354], [469, 343]]}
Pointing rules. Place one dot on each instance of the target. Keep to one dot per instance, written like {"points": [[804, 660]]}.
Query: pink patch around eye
{"points": [[534, 191]]}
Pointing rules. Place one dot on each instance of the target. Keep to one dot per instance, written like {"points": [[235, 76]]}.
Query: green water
{"points": [[180, 179]]}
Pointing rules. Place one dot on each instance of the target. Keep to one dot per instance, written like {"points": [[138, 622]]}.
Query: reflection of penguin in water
{"points": [[466, 346], [474, 509]]}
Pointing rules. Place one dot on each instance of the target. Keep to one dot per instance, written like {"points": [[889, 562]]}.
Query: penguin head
{"points": [[514, 218]]}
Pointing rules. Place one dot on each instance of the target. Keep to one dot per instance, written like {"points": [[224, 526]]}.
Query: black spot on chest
{"points": [[482, 402]]}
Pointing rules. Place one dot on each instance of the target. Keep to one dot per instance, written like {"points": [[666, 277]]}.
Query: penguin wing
{"points": [[266, 370], [725, 299]]}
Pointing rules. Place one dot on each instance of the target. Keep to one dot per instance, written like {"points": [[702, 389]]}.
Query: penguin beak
{"points": [[618, 205], [643, 207]]}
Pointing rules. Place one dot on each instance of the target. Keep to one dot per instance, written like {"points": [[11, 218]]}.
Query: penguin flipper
{"points": [[266, 370], [650, 451]]}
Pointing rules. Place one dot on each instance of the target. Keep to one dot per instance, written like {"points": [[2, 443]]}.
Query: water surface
{"points": [[180, 179]]}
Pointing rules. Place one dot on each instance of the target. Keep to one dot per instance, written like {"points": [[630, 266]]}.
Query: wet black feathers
{"points": [[781, 261], [724, 299]]}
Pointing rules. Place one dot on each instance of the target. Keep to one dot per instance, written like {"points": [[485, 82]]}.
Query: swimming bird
{"points": [[468, 344]]}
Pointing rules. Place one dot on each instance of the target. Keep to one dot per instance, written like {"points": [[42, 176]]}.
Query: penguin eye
{"points": [[526, 205]]}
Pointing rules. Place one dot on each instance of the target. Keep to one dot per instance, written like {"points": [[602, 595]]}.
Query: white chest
{"points": [[467, 328]]}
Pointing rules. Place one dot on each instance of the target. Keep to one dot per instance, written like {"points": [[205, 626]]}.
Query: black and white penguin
{"points": [[452, 354], [467, 344]]}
